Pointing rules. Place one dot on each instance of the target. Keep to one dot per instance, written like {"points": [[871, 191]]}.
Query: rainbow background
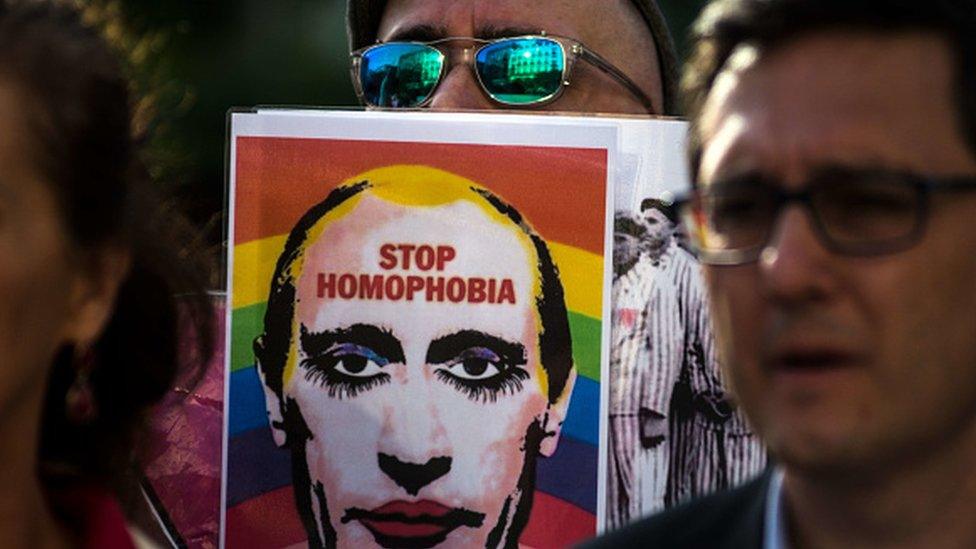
{"points": [[561, 191]]}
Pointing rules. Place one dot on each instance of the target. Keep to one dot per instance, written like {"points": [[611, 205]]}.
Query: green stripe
{"points": [[247, 322], [586, 344]]}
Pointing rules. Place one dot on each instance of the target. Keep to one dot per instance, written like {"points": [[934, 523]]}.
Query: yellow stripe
{"points": [[581, 272], [254, 264], [582, 276]]}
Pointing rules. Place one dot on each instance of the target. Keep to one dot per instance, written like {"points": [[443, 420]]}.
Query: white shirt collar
{"points": [[774, 519]]}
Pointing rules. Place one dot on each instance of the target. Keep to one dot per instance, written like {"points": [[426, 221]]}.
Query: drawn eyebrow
{"points": [[418, 33], [444, 349], [377, 339]]}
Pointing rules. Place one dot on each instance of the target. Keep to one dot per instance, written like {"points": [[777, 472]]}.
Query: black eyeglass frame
{"points": [[576, 48], [688, 207]]}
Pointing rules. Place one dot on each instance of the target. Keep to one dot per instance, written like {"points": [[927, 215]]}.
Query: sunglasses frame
{"points": [[575, 52]]}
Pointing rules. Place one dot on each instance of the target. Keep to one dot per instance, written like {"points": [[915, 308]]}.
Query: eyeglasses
{"points": [[520, 71], [854, 212]]}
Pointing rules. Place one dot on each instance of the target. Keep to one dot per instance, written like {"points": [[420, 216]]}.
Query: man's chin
{"points": [[846, 458]]}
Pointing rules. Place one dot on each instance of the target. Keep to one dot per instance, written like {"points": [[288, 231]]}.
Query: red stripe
{"points": [[270, 520], [561, 191], [556, 523]]}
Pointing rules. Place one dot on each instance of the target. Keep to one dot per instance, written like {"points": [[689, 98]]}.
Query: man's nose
{"points": [[459, 90], [795, 265], [413, 476], [413, 424]]}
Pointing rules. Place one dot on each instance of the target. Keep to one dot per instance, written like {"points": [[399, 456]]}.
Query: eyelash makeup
{"points": [[507, 382], [322, 371]]}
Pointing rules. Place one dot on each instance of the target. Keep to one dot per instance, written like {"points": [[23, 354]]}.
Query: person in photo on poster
{"points": [[674, 432], [416, 360]]}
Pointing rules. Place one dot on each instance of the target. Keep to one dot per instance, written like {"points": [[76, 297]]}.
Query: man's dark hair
{"points": [[78, 109], [271, 347], [363, 19], [770, 24], [660, 205], [627, 223]]}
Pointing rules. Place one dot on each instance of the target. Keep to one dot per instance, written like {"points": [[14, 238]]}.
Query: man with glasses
{"points": [[834, 146], [570, 56]]}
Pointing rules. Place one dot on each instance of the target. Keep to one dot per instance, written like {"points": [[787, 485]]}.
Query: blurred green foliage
{"points": [[192, 60]]}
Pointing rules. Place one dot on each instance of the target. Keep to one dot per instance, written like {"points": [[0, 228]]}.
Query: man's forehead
{"points": [[433, 19], [466, 224], [856, 97]]}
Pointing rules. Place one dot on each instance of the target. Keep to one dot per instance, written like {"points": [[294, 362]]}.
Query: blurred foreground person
{"points": [[834, 147], [88, 313]]}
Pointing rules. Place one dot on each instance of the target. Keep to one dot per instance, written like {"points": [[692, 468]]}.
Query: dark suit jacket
{"points": [[729, 520]]}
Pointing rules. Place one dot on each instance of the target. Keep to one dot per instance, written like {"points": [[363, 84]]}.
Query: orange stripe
{"points": [[561, 191]]}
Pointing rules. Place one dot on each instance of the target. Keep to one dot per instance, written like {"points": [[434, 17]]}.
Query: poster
{"points": [[417, 329]]}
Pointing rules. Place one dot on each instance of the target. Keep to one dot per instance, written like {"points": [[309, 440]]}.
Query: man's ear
{"points": [[272, 401], [93, 292], [555, 415]]}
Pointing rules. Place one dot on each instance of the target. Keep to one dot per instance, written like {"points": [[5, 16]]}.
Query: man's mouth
{"points": [[418, 524], [811, 359]]}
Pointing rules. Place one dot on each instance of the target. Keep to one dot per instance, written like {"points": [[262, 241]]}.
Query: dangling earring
{"points": [[79, 401]]}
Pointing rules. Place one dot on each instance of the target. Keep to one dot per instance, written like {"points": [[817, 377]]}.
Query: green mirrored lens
{"points": [[399, 74], [521, 71]]}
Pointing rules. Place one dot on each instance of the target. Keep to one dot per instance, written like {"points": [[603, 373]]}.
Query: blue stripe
{"points": [[247, 409], [583, 419], [256, 466]]}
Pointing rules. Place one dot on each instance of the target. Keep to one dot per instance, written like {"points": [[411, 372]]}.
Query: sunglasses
{"points": [[522, 71]]}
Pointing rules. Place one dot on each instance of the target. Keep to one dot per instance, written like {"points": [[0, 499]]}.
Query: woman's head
{"points": [[90, 266]]}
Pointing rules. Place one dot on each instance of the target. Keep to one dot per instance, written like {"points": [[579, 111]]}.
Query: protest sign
{"points": [[416, 329]]}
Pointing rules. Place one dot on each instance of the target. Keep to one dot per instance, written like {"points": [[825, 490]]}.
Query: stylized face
{"points": [[613, 29], [847, 362], [419, 392]]}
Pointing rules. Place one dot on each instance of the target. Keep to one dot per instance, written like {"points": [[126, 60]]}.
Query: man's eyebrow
{"points": [[377, 339], [491, 32], [449, 347], [418, 33]]}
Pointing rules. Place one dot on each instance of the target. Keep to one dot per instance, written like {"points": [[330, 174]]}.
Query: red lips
{"points": [[412, 508], [403, 519]]}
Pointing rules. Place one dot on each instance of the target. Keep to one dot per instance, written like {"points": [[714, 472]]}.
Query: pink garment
{"points": [[183, 460]]}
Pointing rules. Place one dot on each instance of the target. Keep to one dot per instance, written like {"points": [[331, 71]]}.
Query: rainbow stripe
{"points": [[561, 191]]}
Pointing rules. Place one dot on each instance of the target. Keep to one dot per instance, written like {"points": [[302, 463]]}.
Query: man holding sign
{"points": [[416, 359]]}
